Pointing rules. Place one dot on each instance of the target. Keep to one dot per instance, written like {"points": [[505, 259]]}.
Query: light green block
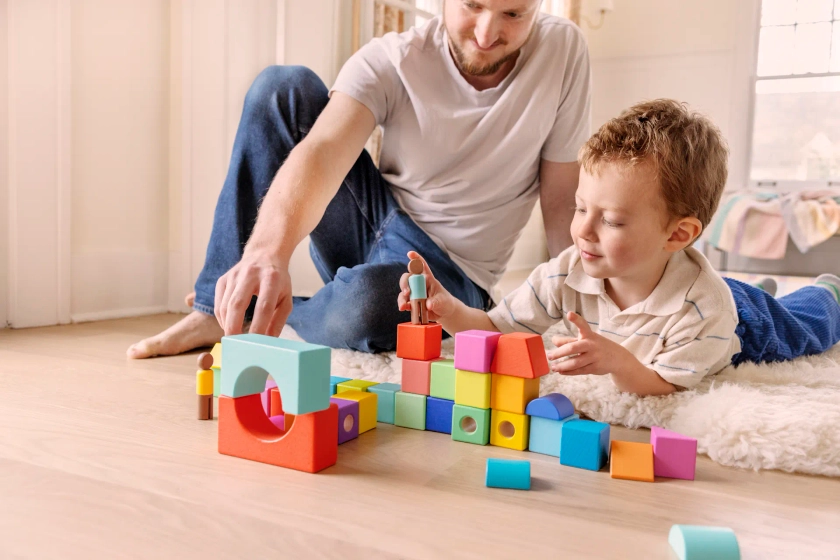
{"points": [[410, 410], [473, 389], [301, 370], [386, 393], [471, 425], [443, 380], [217, 381], [354, 385]]}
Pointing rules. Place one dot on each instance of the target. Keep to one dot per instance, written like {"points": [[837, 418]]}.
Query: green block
{"points": [[471, 425], [385, 393], [443, 380], [301, 370], [354, 385], [217, 381], [410, 410]]}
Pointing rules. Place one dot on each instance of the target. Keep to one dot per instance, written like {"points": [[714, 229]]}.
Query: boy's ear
{"points": [[683, 232]]}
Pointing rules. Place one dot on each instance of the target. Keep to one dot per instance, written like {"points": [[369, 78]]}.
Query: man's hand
{"points": [[589, 353], [257, 274], [439, 303]]}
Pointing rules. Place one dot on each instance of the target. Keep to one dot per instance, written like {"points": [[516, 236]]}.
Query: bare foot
{"points": [[190, 299], [193, 331]]}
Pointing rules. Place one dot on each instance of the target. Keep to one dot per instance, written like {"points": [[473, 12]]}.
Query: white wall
{"points": [[4, 170]]}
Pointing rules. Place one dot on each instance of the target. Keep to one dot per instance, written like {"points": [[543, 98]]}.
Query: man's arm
{"points": [[558, 183], [293, 206]]}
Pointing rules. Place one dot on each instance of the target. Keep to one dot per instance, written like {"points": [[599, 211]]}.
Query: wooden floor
{"points": [[102, 457]]}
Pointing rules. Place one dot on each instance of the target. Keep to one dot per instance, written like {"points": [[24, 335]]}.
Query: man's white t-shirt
{"points": [[464, 164]]}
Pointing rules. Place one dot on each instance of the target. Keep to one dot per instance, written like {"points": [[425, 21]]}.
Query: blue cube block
{"points": [[508, 473], [335, 380], [585, 444], [385, 394], [439, 415], [546, 435]]}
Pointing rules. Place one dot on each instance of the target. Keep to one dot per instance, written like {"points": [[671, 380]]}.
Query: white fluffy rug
{"points": [[779, 416]]}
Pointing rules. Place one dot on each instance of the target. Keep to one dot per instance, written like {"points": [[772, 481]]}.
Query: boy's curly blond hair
{"points": [[686, 151]]}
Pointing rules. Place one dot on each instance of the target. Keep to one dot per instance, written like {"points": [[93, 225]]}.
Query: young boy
{"points": [[647, 307]]}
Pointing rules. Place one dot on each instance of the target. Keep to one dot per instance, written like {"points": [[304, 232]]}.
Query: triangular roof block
{"points": [[520, 355], [554, 407]]}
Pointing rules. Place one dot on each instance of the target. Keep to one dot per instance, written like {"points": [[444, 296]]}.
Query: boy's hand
{"points": [[439, 302], [592, 354]]}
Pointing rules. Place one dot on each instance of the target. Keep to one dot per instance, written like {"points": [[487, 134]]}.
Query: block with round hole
{"points": [[472, 388], [512, 394], [410, 410], [367, 407], [471, 425], [442, 385], [348, 419], [301, 370], [508, 429], [386, 397]]}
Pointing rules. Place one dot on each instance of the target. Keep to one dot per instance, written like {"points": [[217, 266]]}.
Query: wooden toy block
{"points": [[474, 350], [472, 389], [512, 394], [674, 455], [348, 419], [354, 385], [698, 542], [442, 385], [419, 312], [546, 435], [204, 382], [266, 396], [386, 397], [471, 425], [282, 421], [439, 415], [417, 285], [216, 352], [367, 407], [520, 355], [419, 342], [508, 473], [508, 429], [410, 410], [275, 402], [301, 370], [553, 406], [335, 380], [630, 460], [585, 444], [310, 444], [205, 407], [416, 376], [205, 360]]}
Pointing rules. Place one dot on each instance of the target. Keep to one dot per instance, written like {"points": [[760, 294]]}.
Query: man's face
{"points": [[484, 34]]}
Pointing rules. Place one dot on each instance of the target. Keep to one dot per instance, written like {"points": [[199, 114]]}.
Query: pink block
{"points": [[265, 396], [674, 455], [279, 420], [474, 350], [416, 376]]}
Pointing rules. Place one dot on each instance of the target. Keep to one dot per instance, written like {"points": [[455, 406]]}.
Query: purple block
{"points": [[348, 419], [474, 350], [674, 455]]}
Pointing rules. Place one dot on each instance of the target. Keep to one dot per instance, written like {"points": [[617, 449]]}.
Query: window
{"points": [[796, 118]]}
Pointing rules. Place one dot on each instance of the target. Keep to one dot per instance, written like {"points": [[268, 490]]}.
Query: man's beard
{"points": [[467, 67]]}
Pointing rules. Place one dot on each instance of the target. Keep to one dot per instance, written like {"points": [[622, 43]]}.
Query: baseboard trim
{"points": [[118, 314]]}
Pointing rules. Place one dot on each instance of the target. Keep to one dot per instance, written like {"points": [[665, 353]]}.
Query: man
{"points": [[482, 111]]}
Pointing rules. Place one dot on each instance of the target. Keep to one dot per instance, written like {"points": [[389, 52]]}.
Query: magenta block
{"points": [[416, 376], [265, 396], [279, 420], [348, 419], [474, 350], [674, 455]]}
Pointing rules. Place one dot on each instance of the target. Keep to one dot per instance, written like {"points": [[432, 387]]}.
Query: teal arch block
{"points": [[386, 401], [301, 370], [508, 473], [585, 444], [697, 542], [546, 435]]}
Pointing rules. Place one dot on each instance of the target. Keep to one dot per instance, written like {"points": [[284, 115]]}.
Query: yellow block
{"points": [[204, 382], [512, 394], [631, 460], [472, 389], [367, 407], [354, 385], [510, 430], [216, 352]]}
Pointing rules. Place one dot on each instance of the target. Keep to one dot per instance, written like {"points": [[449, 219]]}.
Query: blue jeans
{"points": [[360, 245], [802, 323]]}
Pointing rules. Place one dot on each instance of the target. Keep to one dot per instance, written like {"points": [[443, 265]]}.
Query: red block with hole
{"points": [[310, 444], [520, 355], [419, 342]]}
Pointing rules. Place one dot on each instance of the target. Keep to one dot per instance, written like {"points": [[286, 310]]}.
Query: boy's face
{"points": [[620, 223]]}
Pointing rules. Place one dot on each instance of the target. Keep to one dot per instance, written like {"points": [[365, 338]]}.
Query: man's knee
{"points": [[275, 80]]}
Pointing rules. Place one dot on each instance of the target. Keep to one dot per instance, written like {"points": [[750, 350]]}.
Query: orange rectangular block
{"points": [[631, 460], [310, 444], [520, 355], [419, 342], [275, 402]]}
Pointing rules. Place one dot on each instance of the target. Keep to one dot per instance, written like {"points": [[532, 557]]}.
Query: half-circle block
{"points": [[696, 542], [520, 355], [554, 406], [301, 370], [310, 444]]}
